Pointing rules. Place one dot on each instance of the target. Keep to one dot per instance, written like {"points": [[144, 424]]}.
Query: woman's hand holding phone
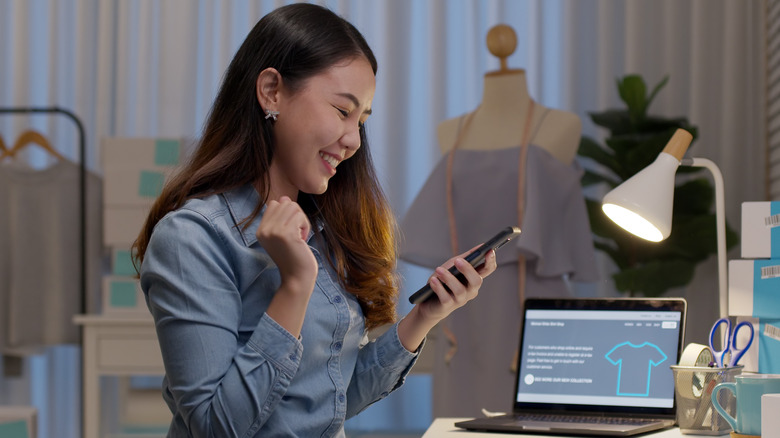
{"points": [[453, 284], [475, 257]]}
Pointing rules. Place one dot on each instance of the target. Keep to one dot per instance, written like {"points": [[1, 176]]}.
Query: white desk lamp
{"points": [[643, 203]]}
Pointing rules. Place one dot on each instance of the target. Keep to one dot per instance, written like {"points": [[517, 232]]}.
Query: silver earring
{"points": [[271, 114]]}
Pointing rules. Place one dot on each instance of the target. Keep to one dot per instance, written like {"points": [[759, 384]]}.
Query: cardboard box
{"points": [[770, 421], [768, 337], [763, 356], [128, 187], [18, 421], [754, 288], [139, 153], [121, 225], [760, 230], [134, 173], [14, 429], [750, 359], [122, 262], [135, 169], [123, 295]]}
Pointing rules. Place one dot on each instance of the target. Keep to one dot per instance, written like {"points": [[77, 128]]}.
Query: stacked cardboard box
{"points": [[754, 285], [770, 422], [18, 421], [135, 170]]}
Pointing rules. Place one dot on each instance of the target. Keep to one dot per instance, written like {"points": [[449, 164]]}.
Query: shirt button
{"points": [[337, 299], [337, 346], [342, 397]]}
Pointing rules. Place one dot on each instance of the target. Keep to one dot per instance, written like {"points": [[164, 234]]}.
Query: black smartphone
{"points": [[475, 258]]}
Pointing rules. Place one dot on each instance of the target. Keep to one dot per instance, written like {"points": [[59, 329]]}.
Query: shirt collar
{"points": [[241, 202]]}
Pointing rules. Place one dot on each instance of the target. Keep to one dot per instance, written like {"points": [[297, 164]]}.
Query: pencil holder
{"points": [[693, 395]]}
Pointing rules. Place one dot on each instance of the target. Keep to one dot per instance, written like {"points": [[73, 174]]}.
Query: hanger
{"points": [[28, 137]]}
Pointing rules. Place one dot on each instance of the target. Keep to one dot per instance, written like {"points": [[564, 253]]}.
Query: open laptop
{"points": [[594, 367]]}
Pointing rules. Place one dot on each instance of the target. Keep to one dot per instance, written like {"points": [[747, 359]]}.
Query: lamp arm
{"points": [[720, 219]]}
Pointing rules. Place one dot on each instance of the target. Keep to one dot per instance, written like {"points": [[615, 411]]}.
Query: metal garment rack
{"points": [[53, 111]]}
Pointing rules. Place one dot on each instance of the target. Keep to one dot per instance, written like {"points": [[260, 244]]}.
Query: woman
{"points": [[264, 266]]}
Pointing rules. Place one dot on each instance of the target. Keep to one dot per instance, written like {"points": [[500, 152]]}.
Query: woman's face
{"points": [[317, 127]]}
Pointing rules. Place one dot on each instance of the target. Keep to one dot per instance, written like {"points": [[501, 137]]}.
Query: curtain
{"points": [[145, 68], [772, 179]]}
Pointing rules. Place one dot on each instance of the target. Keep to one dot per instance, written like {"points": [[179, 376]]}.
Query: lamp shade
{"points": [[643, 203]]}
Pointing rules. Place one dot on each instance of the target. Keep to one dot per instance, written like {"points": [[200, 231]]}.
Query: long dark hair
{"points": [[300, 41]]}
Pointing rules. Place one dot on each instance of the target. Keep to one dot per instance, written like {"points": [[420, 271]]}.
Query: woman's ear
{"points": [[267, 89]]}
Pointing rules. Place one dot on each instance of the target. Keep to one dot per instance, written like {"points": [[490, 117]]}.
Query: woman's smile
{"points": [[331, 161]]}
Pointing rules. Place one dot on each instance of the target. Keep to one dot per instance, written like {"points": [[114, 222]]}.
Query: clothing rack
{"points": [[53, 111]]}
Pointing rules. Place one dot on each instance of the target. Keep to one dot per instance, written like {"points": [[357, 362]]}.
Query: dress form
{"points": [[488, 173], [497, 122]]}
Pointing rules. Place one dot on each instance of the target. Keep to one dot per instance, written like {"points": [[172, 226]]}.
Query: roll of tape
{"points": [[690, 384], [696, 355]]}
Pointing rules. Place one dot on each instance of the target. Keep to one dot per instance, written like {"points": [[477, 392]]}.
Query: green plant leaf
{"points": [[693, 237], [616, 121], [732, 238], [656, 89], [652, 124], [610, 251], [635, 250], [656, 277], [611, 239], [623, 143], [646, 151], [633, 92], [693, 197], [599, 222], [590, 149], [635, 138], [696, 235], [590, 178]]}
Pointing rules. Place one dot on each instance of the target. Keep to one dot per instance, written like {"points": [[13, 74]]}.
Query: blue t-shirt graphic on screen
{"points": [[635, 363]]}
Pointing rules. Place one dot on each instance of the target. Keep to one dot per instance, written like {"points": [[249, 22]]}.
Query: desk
{"points": [[445, 427], [117, 346]]}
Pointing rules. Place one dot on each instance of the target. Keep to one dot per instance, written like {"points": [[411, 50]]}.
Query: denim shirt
{"points": [[231, 370]]}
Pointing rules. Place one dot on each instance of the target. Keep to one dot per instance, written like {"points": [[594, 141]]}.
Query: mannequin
{"points": [[495, 124], [509, 162]]}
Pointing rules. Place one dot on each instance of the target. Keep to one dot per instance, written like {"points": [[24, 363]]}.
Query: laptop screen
{"points": [[605, 355]]}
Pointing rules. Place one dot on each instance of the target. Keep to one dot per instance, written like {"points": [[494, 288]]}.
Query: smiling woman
{"points": [[318, 125], [268, 257], [152, 69]]}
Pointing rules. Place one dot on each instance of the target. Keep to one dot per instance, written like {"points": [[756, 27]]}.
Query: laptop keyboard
{"points": [[583, 419]]}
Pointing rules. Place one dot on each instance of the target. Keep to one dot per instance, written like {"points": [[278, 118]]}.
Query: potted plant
{"points": [[634, 140]]}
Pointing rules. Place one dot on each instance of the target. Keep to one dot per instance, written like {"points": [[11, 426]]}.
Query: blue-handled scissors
{"points": [[729, 343]]}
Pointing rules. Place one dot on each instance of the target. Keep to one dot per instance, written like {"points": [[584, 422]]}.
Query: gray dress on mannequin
{"points": [[556, 244]]}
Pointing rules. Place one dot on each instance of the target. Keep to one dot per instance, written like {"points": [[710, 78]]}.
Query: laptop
{"points": [[594, 367]]}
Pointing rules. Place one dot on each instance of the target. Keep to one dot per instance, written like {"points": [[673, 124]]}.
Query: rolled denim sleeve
{"points": [[382, 367], [220, 386]]}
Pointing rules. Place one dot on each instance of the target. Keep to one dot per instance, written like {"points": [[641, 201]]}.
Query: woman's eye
{"points": [[343, 113]]}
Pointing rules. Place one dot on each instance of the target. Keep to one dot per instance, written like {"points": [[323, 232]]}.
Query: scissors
{"points": [[729, 343]]}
